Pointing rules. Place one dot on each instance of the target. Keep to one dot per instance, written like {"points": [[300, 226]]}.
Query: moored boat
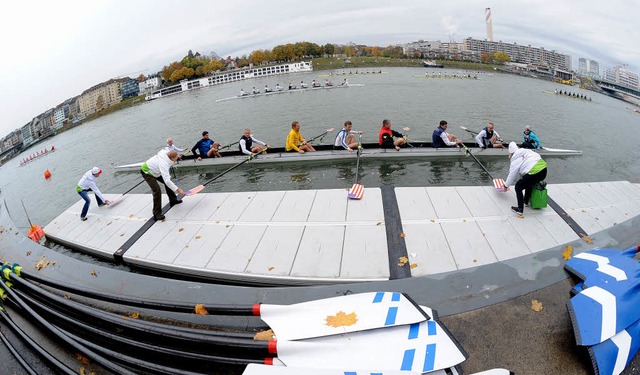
{"points": [[371, 151], [431, 64]]}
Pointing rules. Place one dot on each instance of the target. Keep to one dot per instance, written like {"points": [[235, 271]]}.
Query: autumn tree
{"points": [[257, 57], [141, 78], [485, 58], [501, 57], [329, 49], [167, 71]]}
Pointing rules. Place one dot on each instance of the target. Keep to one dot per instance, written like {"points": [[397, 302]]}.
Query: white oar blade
{"points": [[499, 184], [419, 347], [255, 369], [356, 192], [194, 191], [116, 200], [338, 315]]}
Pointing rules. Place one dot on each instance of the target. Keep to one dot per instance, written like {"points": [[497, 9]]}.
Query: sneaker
{"points": [[516, 210], [397, 148], [83, 218], [158, 218], [175, 202], [101, 204], [526, 204]]}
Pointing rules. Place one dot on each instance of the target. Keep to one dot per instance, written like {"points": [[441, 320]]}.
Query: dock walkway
{"points": [[309, 237]]}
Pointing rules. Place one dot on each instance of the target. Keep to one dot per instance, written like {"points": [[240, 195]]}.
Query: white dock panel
{"points": [[262, 206], [207, 206], [428, 248], [295, 206], [577, 194], [174, 242], [365, 253], [503, 238], [468, 245], [368, 208], [329, 206], [320, 252], [276, 251], [186, 210], [414, 203], [233, 207], [151, 239], [556, 226], [62, 224], [198, 252], [448, 203], [236, 251], [478, 201]]}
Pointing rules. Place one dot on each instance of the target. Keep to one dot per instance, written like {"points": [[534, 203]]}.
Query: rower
{"points": [[267, 89], [303, 85], [489, 138], [441, 138], [278, 87], [255, 91], [246, 144], [345, 140]]}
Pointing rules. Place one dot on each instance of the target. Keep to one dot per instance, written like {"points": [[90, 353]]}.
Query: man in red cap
{"points": [[86, 184]]}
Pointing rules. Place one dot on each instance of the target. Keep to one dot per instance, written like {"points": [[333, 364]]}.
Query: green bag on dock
{"points": [[539, 195]]}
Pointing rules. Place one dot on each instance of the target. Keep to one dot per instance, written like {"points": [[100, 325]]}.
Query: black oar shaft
{"points": [[136, 185], [228, 170], [466, 149]]}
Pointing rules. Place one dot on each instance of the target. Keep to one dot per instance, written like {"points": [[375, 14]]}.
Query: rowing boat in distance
{"points": [[284, 91], [370, 151]]}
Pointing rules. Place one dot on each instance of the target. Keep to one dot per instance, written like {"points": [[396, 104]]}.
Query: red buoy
{"points": [[47, 174]]}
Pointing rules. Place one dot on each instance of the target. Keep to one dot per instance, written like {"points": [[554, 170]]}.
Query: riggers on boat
{"points": [[370, 151]]}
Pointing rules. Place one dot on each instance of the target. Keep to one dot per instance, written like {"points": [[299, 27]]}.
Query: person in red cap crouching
{"points": [[86, 184]]}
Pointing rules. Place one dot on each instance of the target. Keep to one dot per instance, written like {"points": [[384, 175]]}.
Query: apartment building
{"points": [[520, 53], [588, 68], [621, 76], [100, 96]]}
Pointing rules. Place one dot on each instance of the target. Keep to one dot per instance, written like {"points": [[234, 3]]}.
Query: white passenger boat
{"points": [[292, 90], [370, 151]]}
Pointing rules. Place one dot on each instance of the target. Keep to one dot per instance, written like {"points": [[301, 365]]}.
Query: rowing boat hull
{"points": [[371, 151], [285, 91]]}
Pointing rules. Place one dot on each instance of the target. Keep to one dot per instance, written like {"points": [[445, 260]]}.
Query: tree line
{"points": [[195, 65]]}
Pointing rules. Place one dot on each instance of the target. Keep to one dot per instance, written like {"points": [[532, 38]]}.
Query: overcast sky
{"points": [[54, 50]]}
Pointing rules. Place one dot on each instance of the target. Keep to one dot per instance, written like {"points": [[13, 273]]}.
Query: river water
{"points": [[606, 132]]}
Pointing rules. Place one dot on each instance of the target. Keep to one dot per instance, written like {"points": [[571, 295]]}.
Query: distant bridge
{"points": [[620, 92]]}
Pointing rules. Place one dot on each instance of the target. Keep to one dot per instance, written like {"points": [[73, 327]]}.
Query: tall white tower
{"points": [[487, 14]]}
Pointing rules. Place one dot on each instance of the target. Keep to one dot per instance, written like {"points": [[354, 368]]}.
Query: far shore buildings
{"points": [[101, 96], [523, 54], [621, 76], [589, 68]]}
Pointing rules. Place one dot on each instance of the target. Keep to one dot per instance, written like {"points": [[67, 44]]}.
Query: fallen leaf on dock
{"points": [[42, 263], [566, 254], [200, 309], [536, 305], [264, 335], [341, 319]]}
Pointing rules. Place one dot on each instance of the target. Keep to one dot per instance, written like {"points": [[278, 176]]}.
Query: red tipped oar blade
{"points": [[356, 192], [194, 191], [116, 200], [499, 184]]}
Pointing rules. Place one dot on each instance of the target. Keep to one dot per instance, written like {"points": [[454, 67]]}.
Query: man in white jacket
{"points": [[489, 138], [156, 170], [86, 184], [531, 167]]}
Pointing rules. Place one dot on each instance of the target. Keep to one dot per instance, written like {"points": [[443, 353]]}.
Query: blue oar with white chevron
{"points": [[613, 355], [599, 312], [587, 262]]}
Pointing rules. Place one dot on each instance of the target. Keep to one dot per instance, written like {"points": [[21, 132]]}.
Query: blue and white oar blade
{"points": [[331, 316], [585, 263], [254, 369], [598, 314], [419, 347], [613, 355]]}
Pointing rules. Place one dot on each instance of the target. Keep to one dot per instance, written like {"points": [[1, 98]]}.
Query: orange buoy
{"points": [[47, 174], [36, 233]]}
